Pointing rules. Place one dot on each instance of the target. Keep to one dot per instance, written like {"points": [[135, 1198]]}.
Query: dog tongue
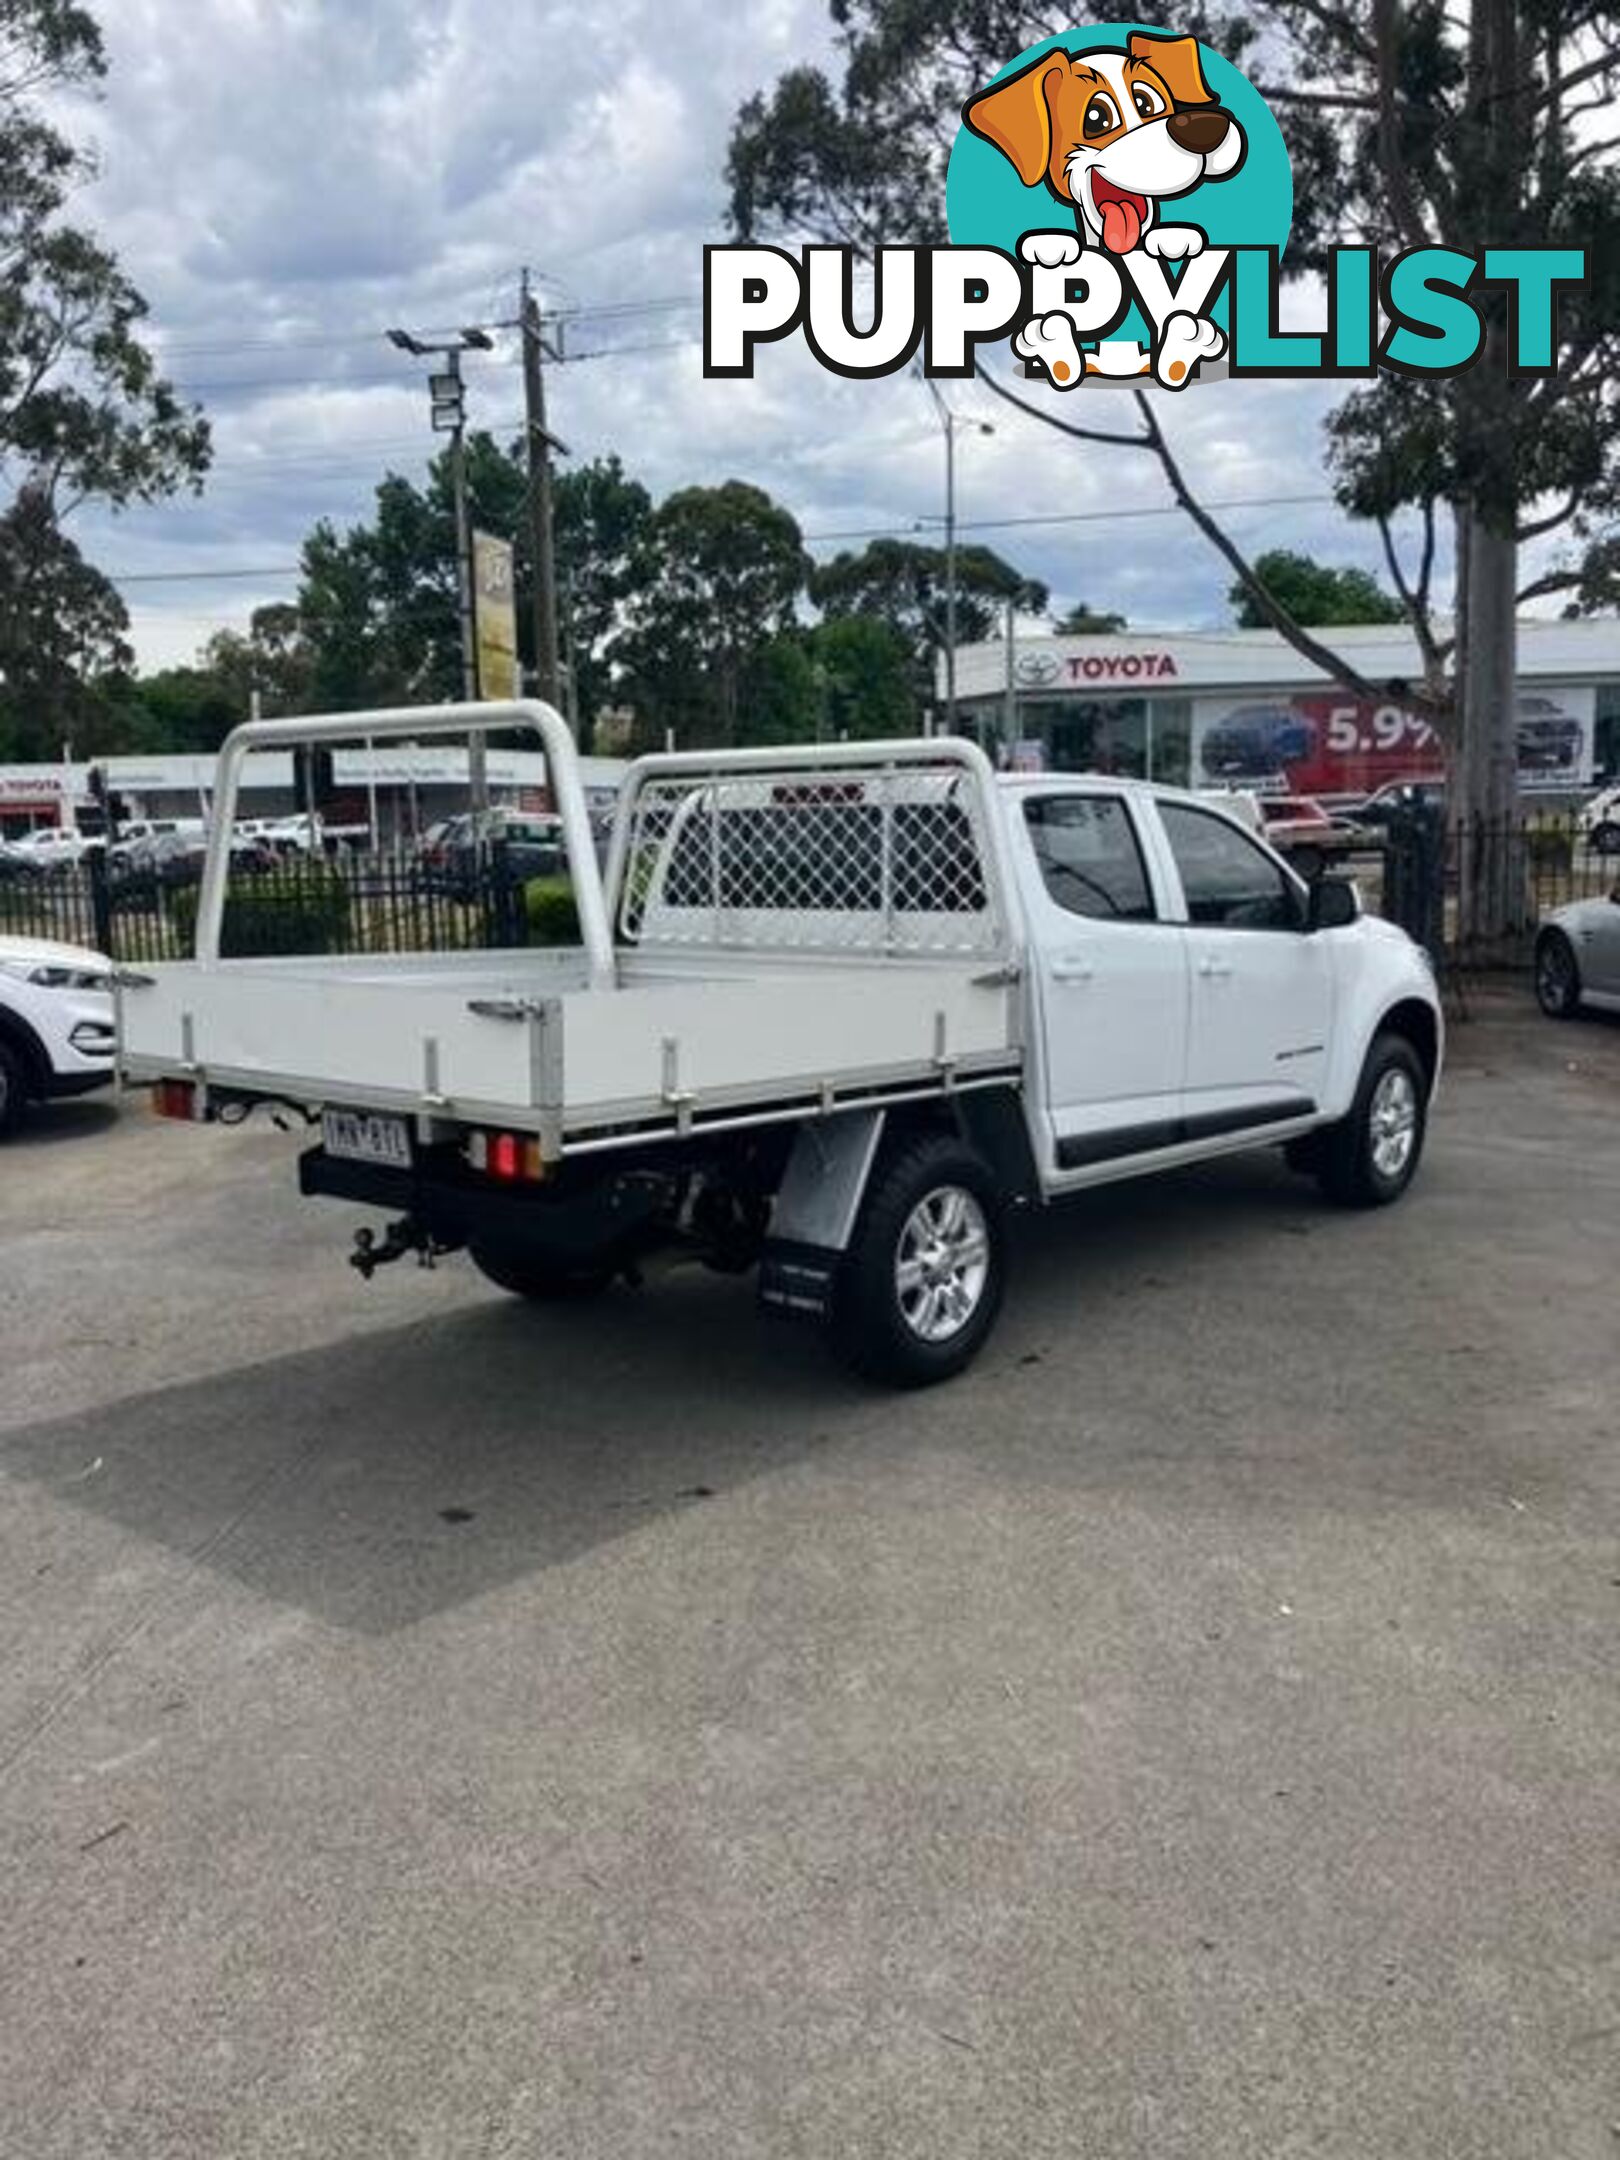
{"points": [[1122, 226]]}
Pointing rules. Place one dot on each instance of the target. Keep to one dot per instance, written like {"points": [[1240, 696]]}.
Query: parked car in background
{"points": [[1396, 797], [47, 848], [140, 869], [1577, 958], [56, 1024], [459, 857], [1299, 827], [1599, 822], [1253, 741], [1549, 739], [133, 831]]}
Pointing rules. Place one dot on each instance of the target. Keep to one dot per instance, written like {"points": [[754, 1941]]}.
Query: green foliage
{"points": [[273, 659], [902, 584], [376, 621], [1083, 621], [84, 411], [553, 917], [867, 678], [304, 911], [715, 580], [861, 157], [600, 519], [1315, 594], [61, 625], [188, 709]]}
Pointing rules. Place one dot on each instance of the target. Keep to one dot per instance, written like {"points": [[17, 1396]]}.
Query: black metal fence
{"points": [[1470, 891], [1475, 889], [347, 903]]}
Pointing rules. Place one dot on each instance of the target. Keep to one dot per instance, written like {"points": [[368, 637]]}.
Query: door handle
{"points": [[1214, 970], [1070, 968]]}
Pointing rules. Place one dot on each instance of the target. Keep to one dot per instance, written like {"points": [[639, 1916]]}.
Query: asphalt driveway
{"points": [[432, 1727]]}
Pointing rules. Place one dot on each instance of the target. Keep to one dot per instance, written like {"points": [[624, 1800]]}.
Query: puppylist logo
{"points": [[1119, 199]]}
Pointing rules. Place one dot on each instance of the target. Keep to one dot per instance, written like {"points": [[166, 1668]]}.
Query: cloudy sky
{"points": [[286, 178]]}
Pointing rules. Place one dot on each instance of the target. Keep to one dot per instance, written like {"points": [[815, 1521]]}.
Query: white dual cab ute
{"points": [[834, 1014]]}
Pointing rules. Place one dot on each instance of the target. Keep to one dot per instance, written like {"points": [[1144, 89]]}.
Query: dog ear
{"points": [[1016, 116], [1176, 60]]}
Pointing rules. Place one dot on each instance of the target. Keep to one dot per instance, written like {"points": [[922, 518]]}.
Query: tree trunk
{"points": [[1492, 901], [1484, 792]]}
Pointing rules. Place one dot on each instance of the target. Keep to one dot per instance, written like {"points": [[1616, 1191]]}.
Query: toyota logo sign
{"points": [[1035, 669]]}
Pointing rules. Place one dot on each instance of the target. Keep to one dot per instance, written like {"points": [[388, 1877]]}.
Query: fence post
{"points": [[101, 914], [1415, 874]]}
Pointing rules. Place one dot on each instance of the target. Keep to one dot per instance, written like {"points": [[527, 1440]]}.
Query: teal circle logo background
{"points": [[987, 205]]}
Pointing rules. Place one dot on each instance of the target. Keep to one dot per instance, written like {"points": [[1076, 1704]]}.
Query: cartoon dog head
{"points": [[1112, 133]]}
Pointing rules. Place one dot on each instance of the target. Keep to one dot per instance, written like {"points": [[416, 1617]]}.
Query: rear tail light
{"points": [[175, 1098], [509, 1158]]}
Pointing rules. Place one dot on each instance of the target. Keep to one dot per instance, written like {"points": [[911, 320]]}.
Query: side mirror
{"points": [[1331, 904]]}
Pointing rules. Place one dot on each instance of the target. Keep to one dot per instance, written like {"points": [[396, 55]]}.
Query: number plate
{"points": [[363, 1136]]}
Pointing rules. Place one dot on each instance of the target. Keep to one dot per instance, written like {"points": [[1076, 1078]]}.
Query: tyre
{"points": [[923, 1278], [13, 1091], [1369, 1158], [543, 1278], [1606, 838], [1558, 975]]}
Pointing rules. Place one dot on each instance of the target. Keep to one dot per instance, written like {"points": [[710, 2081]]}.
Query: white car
{"points": [[48, 847], [56, 1023], [1599, 822]]}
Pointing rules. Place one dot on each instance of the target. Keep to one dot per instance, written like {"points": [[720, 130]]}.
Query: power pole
{"points": [[540, 444]]}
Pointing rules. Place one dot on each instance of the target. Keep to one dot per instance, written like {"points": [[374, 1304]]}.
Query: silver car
{"points": [[1578, 957]]}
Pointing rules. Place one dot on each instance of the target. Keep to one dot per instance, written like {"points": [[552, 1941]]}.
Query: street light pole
{"points": [[948, 420], [950, 566], [448, 414], [464, 583]]}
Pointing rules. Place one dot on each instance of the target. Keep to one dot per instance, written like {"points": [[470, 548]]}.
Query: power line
{"points": [[626, 307], [1062, 517], [199, 577], [372, 335], [854, 532], [333, 340]]}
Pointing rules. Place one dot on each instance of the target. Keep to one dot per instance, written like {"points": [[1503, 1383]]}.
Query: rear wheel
{"points": [[541, 1277], [13, 1091], [1606, 839], [1558, 975], [1370, 1157], [923, 1278]]}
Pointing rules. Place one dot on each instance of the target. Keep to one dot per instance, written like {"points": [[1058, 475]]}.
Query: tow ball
{"points": [[401, 1237]]}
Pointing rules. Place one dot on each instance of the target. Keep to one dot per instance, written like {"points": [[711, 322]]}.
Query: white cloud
{"points": [[285, 182]]}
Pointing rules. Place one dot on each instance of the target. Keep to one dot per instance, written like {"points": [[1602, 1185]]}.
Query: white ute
{"points": [[834, 1013]]}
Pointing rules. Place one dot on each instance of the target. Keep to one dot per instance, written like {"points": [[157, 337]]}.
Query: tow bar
{"points": [[401, 1237]]}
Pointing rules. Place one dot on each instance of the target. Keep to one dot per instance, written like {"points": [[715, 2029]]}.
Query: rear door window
{"points": [[1089, 857]]}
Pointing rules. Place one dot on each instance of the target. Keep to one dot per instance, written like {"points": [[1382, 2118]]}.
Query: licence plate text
{"points": [[364, 1136]]}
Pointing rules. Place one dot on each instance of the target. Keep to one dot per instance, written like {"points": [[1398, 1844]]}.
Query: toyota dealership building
{"points": [[1242, 708]]}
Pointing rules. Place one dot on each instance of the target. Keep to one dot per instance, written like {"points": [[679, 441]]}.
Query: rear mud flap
{"points": [[798, 1282]]}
